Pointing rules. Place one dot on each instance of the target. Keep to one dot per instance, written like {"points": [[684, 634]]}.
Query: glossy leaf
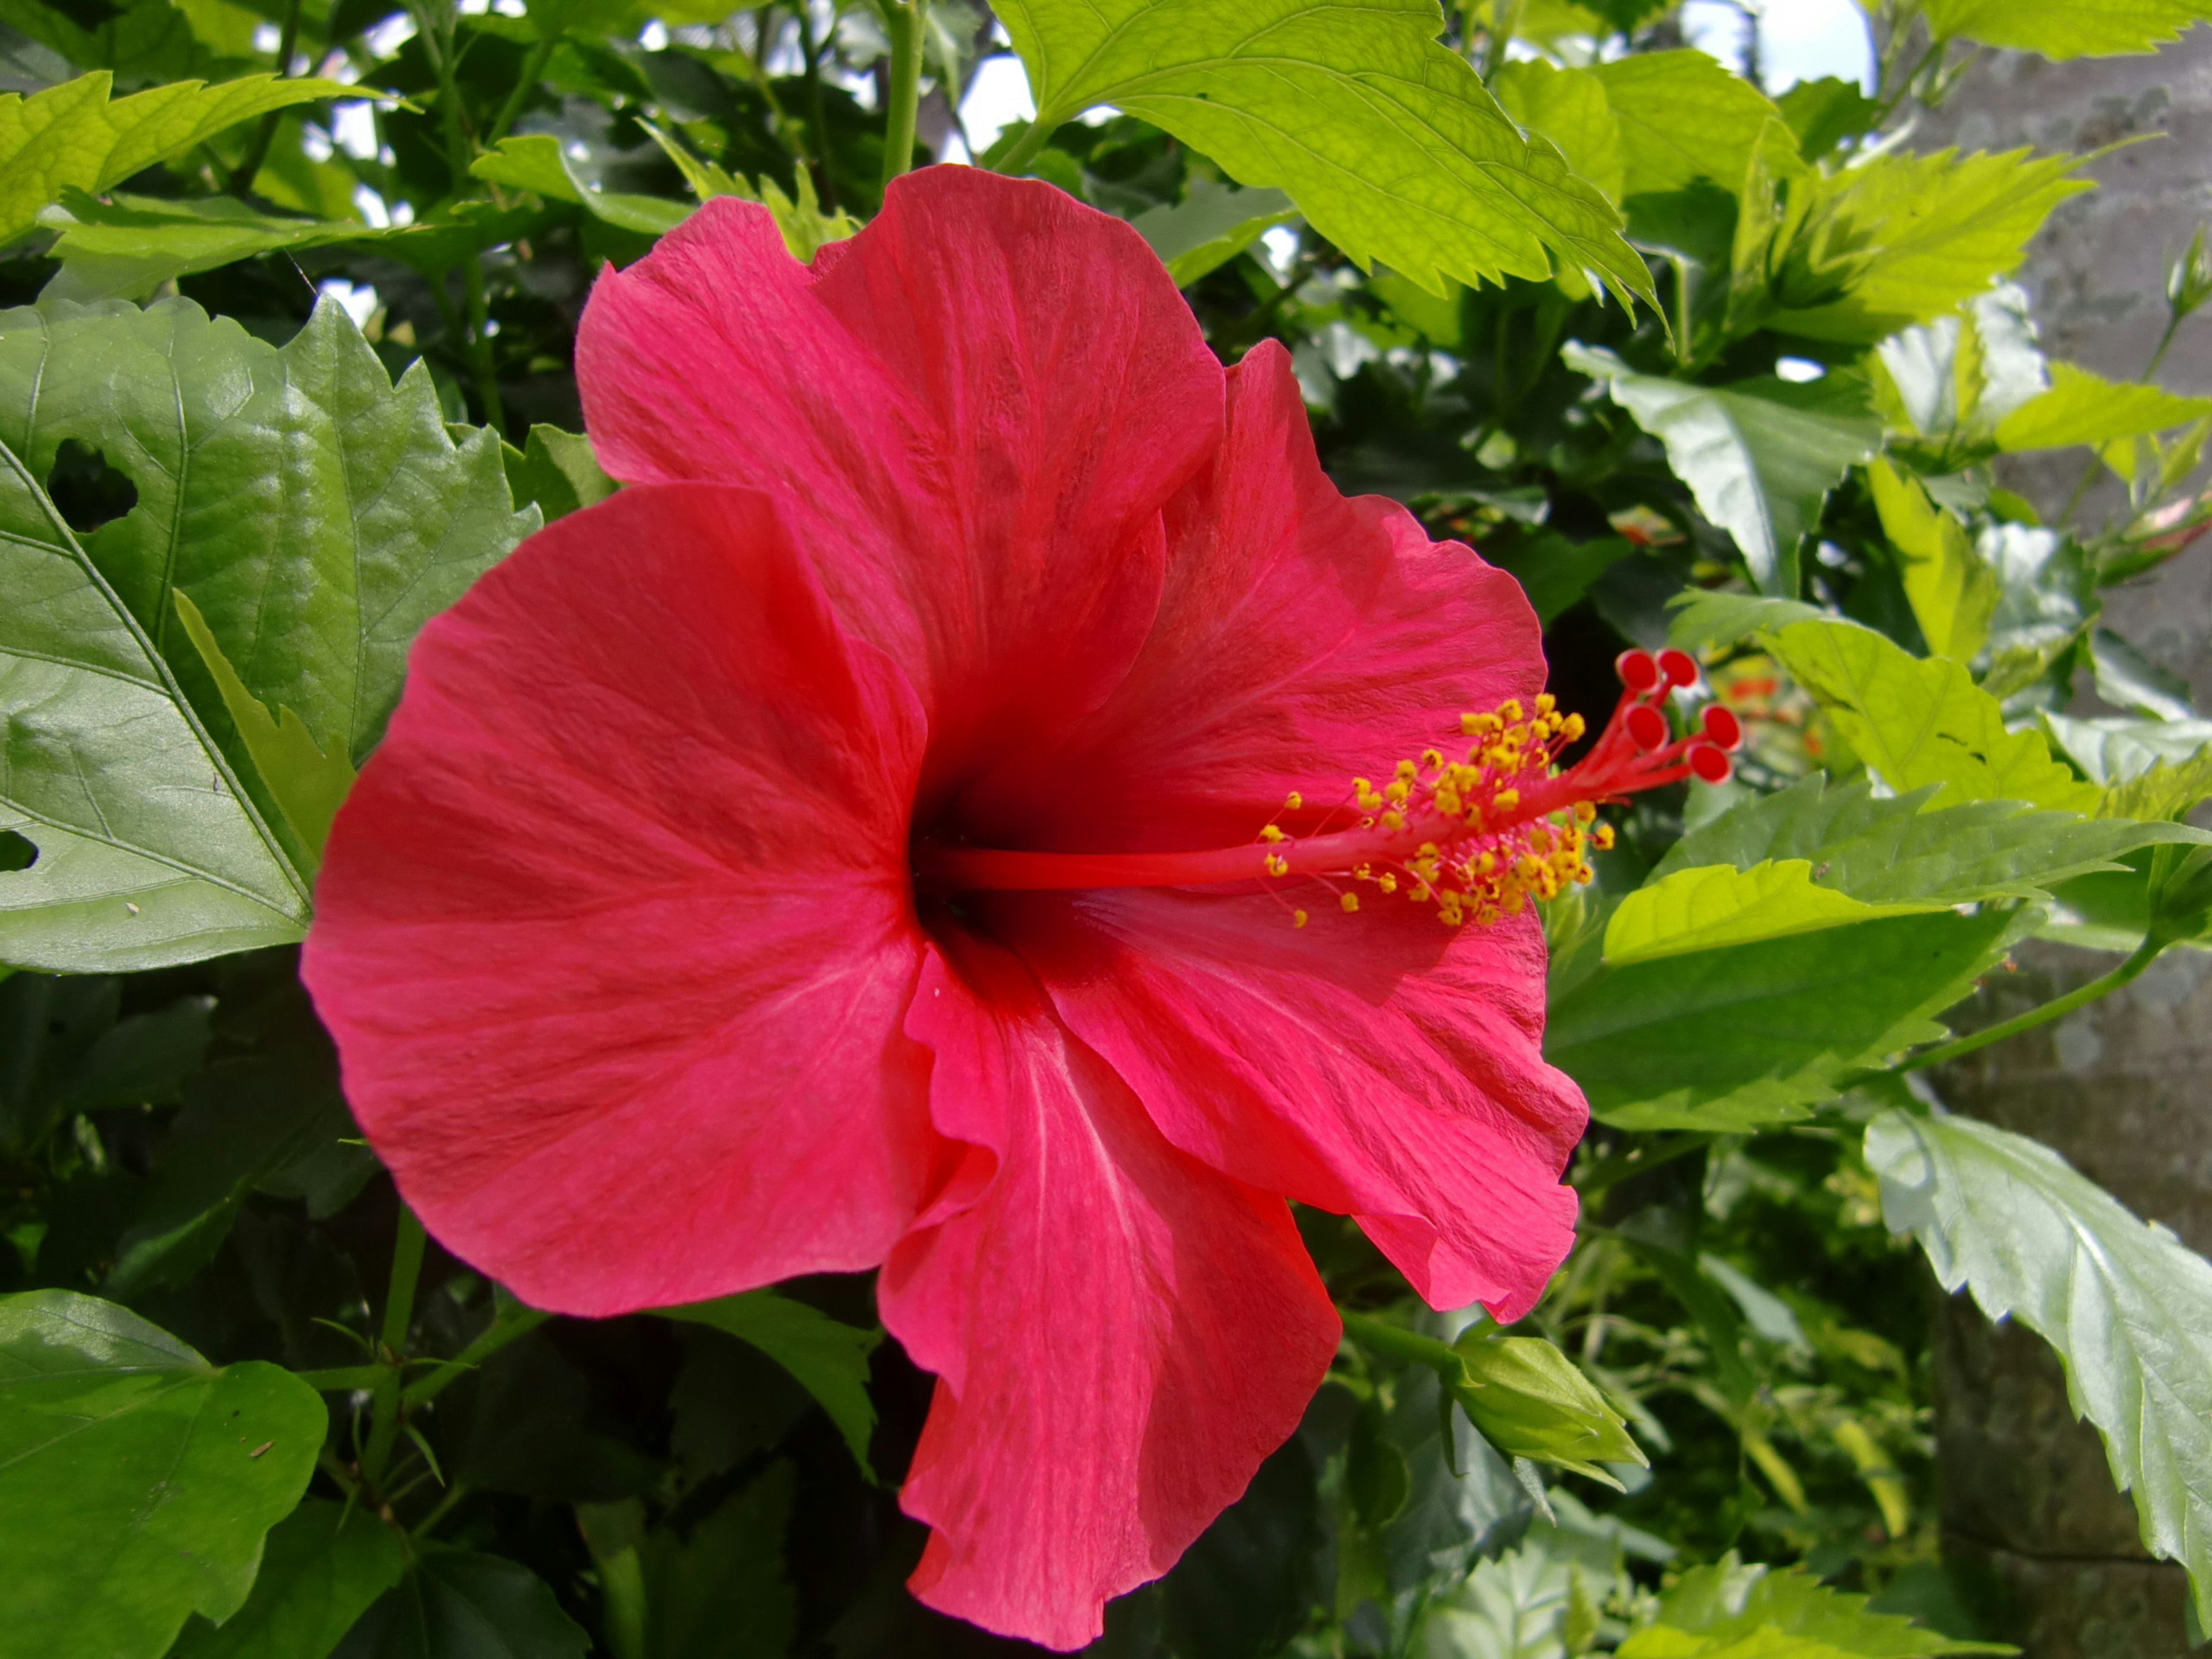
{"points": [[457, 1604], [829, 1360], [1400, 155], [1899, 849], [1952, 590], [1737, 1611], [1570, 108], [2127, 1305], [1760, 456], [72, 136], [535, 163], [1919, 721], [2114, 748], [1211, 226], [2065, 29], [1683, 117], [324, 1565], [1710, 907], [1760, 1033], [137, 1480]]}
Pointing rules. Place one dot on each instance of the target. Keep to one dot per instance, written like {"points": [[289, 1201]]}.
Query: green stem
{"points": [[344, 1380], [407, 1248], [533, 70], [481, 361], [622, 1590], [903, 24], [423, 1528], [1384, 1337], [2058, 1008], [242, 177], [818, 122], [1027, 146], [1610, 1171], [460, 152], [501, 1331]]}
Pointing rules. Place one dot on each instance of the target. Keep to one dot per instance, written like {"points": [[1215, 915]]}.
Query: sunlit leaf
{"points": [[1709, 907], [1730, 1611], [1952, 591], [1386, 138], [2065, 29], [1570, 108], [135, 1480], [535, 163], [2082, 408], [2125, 1304], [1683, 117]]}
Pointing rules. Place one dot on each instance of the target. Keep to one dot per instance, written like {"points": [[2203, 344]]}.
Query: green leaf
{"points": [[2082, 408], [135, 1480], [1952, 590], [1885, 851], [1760, 456], [2125, 1304], [1386, 138], [71, 136], [1707, 908], [1570, 108], [1211, 226], [2127, 679], [2065, 29], [537, 164], [1684, 117], [2112, 749], [308, 786], [143, 42], [806, 228], [726, 1575], [1554, 572], [1760, 1033], [1826, 112], [1919, 721], [1730, 1611], [457, 1604], [557, 471], [2166, 790], [1529, 1401], [325, 1564], [829, 1360], [1704, 618], [1908, 237]]}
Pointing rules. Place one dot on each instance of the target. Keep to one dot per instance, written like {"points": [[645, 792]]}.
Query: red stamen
{"points": [[1723, 726], [1709, 765], [1680, 667]]}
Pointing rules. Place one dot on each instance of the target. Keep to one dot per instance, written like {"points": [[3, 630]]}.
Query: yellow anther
{"points": [[1546, 702], [1270, 833], [1349, 901], [1601, 837], [1394, 820], [1585, 812], [1573, 728], [1433, 758], [1298, 918], [1526, 867], [1398, 790], [1506, 799], [1387, 882], [1292, 801], [1510, 709], [1278, 865], [1361, 786], [1408, 771]]}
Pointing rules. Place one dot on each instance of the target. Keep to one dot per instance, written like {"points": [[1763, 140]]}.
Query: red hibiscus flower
{"points": [[910, 827]]}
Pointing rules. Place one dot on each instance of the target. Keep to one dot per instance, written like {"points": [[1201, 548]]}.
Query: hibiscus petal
{"points": [[973, 410], [1122, 1335], [1379, 1065], [614, 933], [1301, 639]]}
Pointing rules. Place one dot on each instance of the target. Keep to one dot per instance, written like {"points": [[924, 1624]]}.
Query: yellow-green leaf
{"points": [[1683, 117], [2082, 408], [73, 135], [1570, 108], [536, 164], [1716, 905], [1952, 589], [2065, 29], [307, 784], [1920, 720]]}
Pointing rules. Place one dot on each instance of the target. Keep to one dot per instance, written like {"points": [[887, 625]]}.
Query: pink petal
{"points": [[614, 933], [1121, 1334], [1379, 1065], [973, 410], [1301, 639]]}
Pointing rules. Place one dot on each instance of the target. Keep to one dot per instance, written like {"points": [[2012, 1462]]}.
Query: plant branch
{"points": [[1026, 147], [242, 177], [502, 1330], [902, 25], [2056, 1008], [533, 71], [1399, 1343], [407, 1248], [818, 122]]}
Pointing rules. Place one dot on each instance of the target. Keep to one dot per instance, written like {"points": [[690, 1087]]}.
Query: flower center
{"points": [[1474, 837]]}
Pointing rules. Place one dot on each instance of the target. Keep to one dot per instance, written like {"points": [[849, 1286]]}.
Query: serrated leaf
{"points": [[1908, 237], [1920, 720], [2127, 1305], [829, 1360], [135, 1480], [324, 1565], [1211, 226], [807, 230], [2165, 791], [1529, 1401], [1683, 116], [1386, 139], [1702, 619], [1760, 1033], [1570, 108], [2113, 749], [143, 42], [2065, 29], [457, 1604], [1760, 456], [72, 137], [1826, 112], [1952, 591], [308, 784], [556, 471], [1899, 849], [1710, 907], [2082, 408], [1730, 1611]]}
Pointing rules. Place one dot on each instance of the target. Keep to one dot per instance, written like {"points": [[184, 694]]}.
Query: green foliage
{"points": [[1529, 1400], [321, 1568], [72, 137], [1684, 118], [136, 1480], [2065, 29], [1715, 906], [1952, 591], [2127, 1306], [457, 1604], [1403, 154], [1210, 226], [1735, 1610], [2082, 408], [828, 1360], [557, 472]]}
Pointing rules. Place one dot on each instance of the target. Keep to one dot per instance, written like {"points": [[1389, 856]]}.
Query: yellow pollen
{"points": [[1387, 882], [1394, 820], [1292, 801], [1349, 901], [1270, 833], [1298, 918], [1278, 865], [1433, 758]]}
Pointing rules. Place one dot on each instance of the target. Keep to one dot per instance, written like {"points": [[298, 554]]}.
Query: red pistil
{"points": [[1484, 832]]}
